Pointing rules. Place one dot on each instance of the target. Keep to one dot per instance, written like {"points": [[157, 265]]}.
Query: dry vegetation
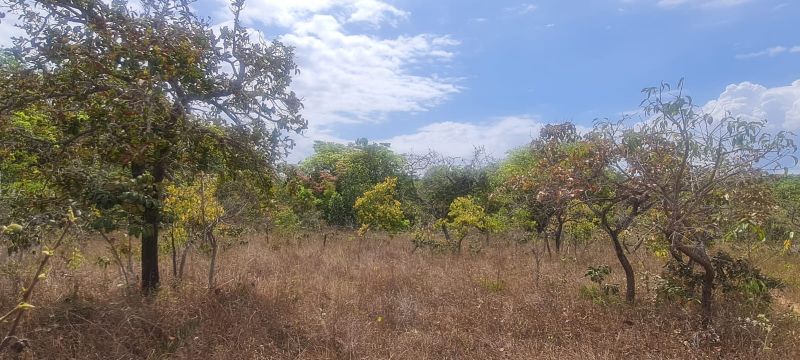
{"points": [[372, 298]]}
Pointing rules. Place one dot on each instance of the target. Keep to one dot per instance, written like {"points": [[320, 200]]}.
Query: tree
{"points": [[615, 200], [786, 221], [464, 215], [378, 209], [542, 183], [353, 169], [686, 159], [447, 179], [135, 90], [196, 213]]}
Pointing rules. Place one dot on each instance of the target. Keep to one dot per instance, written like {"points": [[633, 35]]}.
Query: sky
{"points": [[449, 75]]}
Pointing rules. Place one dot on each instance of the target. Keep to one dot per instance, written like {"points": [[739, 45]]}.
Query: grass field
{"points": [[373, 299]]}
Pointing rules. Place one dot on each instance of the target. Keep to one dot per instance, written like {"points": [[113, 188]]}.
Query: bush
{"points": [[734, 276]]}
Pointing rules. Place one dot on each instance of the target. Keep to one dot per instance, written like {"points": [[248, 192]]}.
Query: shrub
{"points": [[734, 276]]}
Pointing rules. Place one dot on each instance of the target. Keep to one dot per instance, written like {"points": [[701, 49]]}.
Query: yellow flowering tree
{"points": [[464, 215], [377, 208], [195, 213]]}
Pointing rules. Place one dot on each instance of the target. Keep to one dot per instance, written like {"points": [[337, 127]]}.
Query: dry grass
{"points": [[374, 299]]}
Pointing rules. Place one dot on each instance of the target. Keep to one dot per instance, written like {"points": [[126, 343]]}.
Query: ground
{"points": [[371, 298]]}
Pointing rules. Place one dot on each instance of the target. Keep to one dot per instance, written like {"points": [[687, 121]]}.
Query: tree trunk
{"points": [[708, 293], [557, 235], [213, 265], [152, 219], [547, 245], [699, 255], [458, 244], [446, 232], [150, 278], [174, 256], [184, 253], [537, 262], [630, 279]]}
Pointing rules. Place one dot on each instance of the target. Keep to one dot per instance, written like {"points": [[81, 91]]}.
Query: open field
{"points": [[373, 299]]}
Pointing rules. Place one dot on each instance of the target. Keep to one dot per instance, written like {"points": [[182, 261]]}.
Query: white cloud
{"points": [[8, 29], [701, 3], [522, 9], [459, 139], [348, 78], [287, 13], [780, 106], [771, 52], [353, 77]]}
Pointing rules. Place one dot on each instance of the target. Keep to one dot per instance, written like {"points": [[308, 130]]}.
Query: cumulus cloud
{"points": [[780, 106], [356, 77], [460, 138], [287, 13]]}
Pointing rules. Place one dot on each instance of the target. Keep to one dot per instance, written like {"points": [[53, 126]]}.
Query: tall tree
{"points": [[542, 182], [686, 160], [615, 200], [138, 89]]}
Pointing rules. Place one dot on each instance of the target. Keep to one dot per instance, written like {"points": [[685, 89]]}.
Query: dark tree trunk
{"points": [[547, 245], [630, 279], [559, 232], [174, 257], [446, 232], [150, 278], [212, 268], [699, 256], [152, 220], [708, 293]]}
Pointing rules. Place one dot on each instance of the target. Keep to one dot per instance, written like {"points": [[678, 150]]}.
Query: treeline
{"points": [[677, 183]]}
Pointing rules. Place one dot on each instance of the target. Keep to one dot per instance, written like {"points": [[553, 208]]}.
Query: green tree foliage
{"points": [[784, 225], [613, 199], [539, 184], [378, 209], [352, 169], [296, 204], [446, 179], [196, 214], [465, 215], [139, 92]]}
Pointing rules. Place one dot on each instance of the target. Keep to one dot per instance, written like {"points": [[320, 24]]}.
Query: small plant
{"points": [[597, 274], [603, 291], [762, 323]]}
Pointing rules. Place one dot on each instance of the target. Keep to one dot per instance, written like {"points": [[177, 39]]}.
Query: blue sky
{"points": [[448, 75]]}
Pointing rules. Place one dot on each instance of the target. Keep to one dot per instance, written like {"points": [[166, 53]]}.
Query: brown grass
{"points": [[373, 299]]}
